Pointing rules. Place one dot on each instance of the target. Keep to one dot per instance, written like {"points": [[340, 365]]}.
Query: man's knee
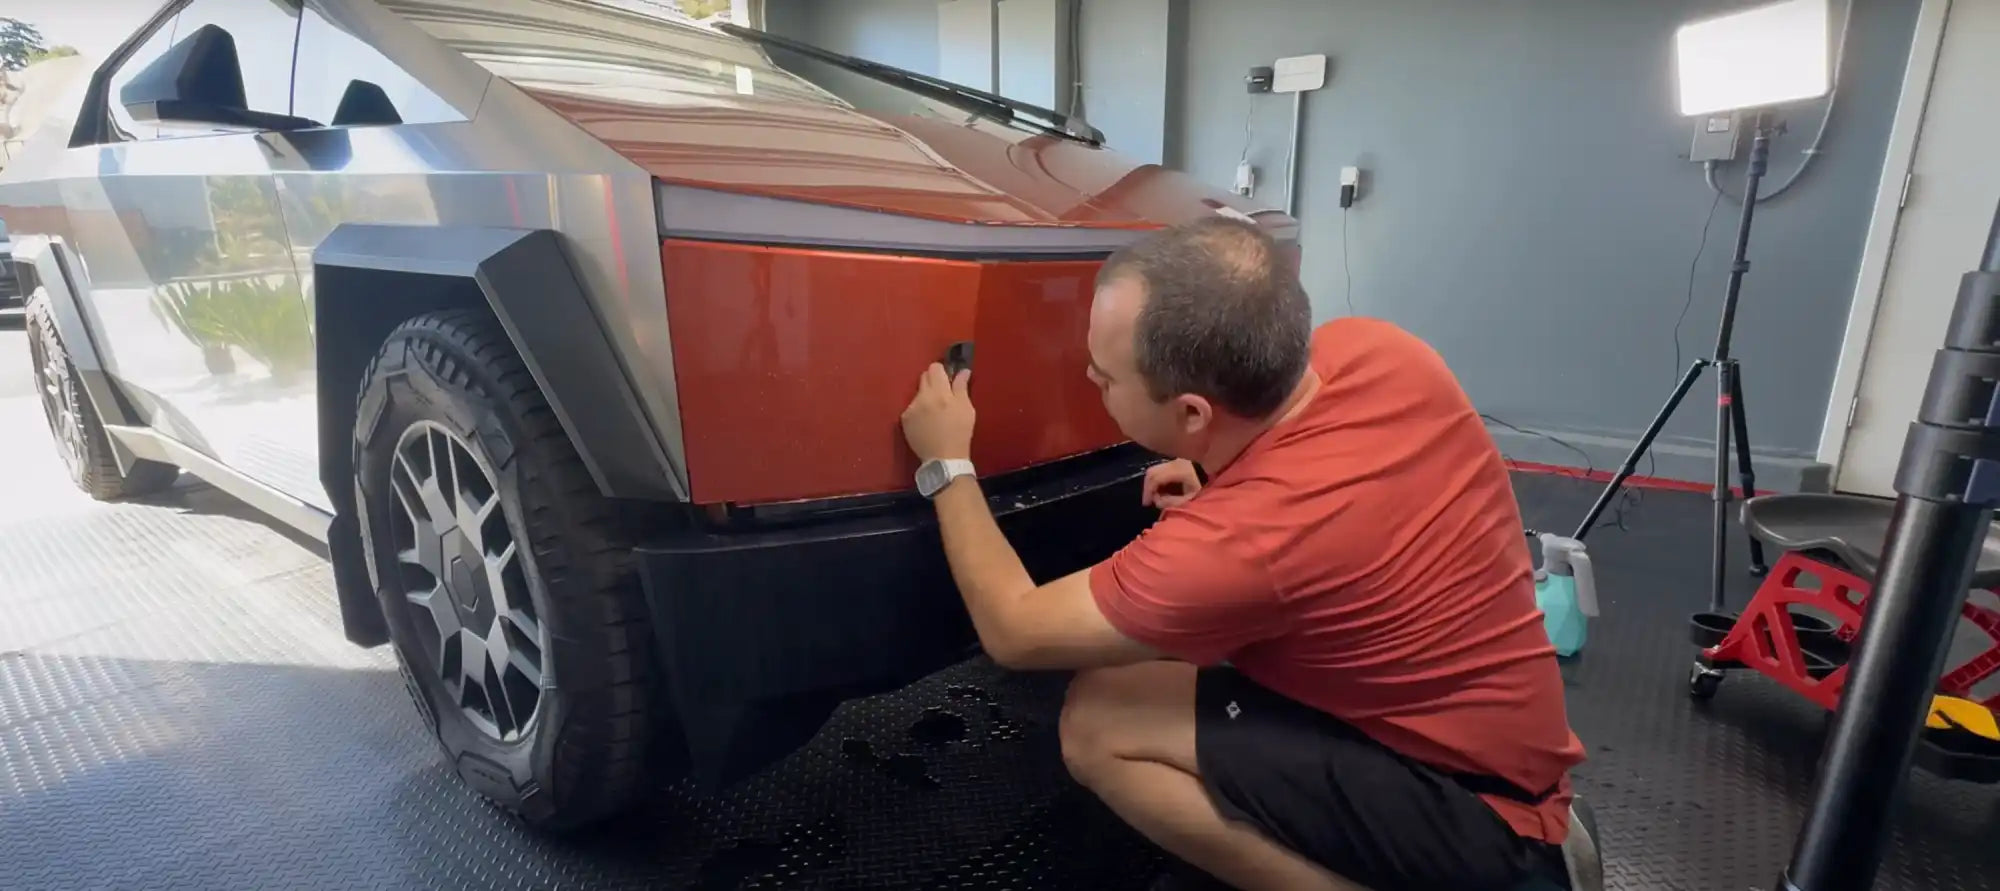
{"points": [[1142, 712], [1097, 716]]}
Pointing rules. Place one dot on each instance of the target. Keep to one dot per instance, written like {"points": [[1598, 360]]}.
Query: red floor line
{"points": [[1635, 481]]}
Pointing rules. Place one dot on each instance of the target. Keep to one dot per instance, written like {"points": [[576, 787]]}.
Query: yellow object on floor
{"points": [[1951, 712]]}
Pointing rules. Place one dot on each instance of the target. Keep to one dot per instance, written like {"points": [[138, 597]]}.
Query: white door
{"points": [[1952, 198]]}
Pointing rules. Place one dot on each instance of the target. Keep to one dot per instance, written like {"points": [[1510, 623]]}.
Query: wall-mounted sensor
{"points": [[1259, 79], [1299, 74], [1350, 186]]}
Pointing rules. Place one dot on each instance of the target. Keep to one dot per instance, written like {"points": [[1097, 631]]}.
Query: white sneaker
{"points": [[1580, 855]]}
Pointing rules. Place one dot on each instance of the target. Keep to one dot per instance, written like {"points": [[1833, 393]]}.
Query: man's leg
{"points": [[1128, 735]]}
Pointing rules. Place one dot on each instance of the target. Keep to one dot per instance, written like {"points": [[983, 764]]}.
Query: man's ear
{"points": [[1194, 413]]}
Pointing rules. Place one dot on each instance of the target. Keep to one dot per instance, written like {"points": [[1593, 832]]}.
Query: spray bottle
{"points": [[1566, 592]]}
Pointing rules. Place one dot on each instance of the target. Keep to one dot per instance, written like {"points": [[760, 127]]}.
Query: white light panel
{"points": [[1765, 56]]}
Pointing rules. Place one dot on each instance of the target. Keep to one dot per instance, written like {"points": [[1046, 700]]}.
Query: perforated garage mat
{"points": [[177, 710]]}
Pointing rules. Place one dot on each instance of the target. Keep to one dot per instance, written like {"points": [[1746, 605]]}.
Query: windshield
{"points": [[642, 55]]}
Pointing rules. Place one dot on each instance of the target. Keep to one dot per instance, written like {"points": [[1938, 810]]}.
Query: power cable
{"points": [[1629, 499], [1347, 263], [1249, 117], [1692, 267]]}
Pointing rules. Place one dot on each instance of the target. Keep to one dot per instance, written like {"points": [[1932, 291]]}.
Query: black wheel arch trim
{"points": [[525, 277], [530, 285]]}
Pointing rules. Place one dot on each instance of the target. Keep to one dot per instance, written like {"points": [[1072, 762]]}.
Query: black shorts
{"points": [[1327, 792]]}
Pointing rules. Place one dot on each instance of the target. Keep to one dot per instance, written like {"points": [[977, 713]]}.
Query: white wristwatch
{"points": [[937, 473]]}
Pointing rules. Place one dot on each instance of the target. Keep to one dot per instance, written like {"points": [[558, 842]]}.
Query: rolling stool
{"points": [[1836, 540]]}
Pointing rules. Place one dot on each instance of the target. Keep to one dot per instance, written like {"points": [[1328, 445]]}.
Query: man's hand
{"points": [[938, 422], [1170, 484]]}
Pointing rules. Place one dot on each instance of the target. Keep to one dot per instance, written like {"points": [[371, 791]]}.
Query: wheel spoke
{"points": [[424, 495], [526, 623], [496, 580], [501, 657], [450, 490], [472, 668], [404, 478], [474, 518], [438, 605], [425, 555]]}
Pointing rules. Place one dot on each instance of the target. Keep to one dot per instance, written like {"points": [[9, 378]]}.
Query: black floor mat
{"points": [[177, 710]]}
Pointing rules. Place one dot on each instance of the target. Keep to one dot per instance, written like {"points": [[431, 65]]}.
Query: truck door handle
{"points": [[957, 357]]}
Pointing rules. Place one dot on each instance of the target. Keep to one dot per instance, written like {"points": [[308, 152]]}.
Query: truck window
{"points": [[341, 81], [265, 32], [123, 127]]}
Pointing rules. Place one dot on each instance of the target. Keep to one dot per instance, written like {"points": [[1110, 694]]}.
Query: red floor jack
{"points": [[1800, 627]]}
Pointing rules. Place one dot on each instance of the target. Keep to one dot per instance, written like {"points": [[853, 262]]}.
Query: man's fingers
{"points": [[962, 382]]}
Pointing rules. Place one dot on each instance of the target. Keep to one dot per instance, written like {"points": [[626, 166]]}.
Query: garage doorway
{"points": [[1947, 205]]}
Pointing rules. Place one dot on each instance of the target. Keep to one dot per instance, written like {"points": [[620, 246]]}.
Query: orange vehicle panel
{"points": [[1035, 401], [805, 359]]}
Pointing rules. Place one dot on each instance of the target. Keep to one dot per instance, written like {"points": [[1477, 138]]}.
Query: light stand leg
{"points": [[1946, 489], [1725, 426], [1744, 472], [1645, 442]]}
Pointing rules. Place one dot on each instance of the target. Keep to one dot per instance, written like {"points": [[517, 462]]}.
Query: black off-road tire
{"points": [[79, 434], [583, 755]]}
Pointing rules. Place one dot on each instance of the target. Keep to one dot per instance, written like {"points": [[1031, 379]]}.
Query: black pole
{"points": [[1946, 487], [1760, 160], [1725, 369], [1728, 413]]}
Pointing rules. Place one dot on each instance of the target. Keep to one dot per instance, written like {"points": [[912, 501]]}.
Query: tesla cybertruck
{"points": [[579, 334]]}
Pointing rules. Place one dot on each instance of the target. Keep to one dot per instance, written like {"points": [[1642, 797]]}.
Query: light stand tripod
{"points": [[1731, 416]]}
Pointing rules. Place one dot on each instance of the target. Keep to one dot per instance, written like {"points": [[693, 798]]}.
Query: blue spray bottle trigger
{"points": [[1566, 593]]}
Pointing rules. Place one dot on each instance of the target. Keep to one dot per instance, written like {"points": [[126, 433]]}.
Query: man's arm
{"points": [[1178, 588], [1023, 626]]}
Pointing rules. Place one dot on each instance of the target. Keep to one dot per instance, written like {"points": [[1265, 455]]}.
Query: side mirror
{"points": [[199, 81]]}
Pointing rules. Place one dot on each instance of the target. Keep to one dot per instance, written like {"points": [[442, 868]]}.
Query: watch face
{"points": [[936, 474]]}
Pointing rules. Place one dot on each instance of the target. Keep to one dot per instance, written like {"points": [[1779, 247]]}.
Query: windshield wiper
{"points": [[959, 95]]}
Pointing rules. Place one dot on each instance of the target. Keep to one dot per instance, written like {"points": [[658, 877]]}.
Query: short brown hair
{"points": [[1225, 317]]}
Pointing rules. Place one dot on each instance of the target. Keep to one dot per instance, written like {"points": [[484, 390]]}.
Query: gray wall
{"points": [[903, 33], [1526, 211], [1136, 94]]}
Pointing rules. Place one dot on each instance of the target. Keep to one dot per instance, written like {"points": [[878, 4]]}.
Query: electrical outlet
{"points": [[1246, 179]]}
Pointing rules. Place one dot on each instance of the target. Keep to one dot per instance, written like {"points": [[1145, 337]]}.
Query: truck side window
{"points": [[264, 32], [123, 127], [341, 81]]}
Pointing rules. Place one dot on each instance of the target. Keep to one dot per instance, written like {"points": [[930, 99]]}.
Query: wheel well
{"points": [[354, 310]]}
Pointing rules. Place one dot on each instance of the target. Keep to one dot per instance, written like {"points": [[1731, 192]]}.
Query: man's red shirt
{"points": [[1365, 557]]}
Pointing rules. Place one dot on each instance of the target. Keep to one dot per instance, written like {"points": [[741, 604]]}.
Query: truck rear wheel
{"points": [[507, 581], [79, 434]]}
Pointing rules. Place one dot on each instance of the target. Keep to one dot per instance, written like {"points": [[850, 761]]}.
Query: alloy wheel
{"points": [[460, 570], [57, 389]]}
